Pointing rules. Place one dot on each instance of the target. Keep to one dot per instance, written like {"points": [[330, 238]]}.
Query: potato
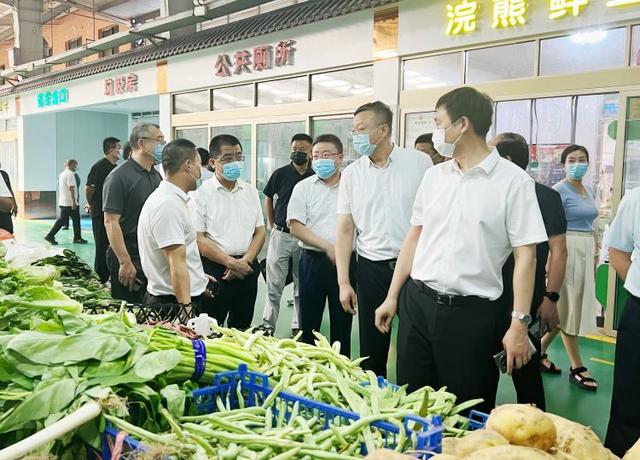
{"points": [[633, 453], [444, 457], [509, 453], [450, 446], [478, 440], [558, 455], [578, 440], [523, 425]]}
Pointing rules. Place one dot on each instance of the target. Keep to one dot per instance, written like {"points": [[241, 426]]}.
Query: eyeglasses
{"points": [[231, 158], [323, 155]]}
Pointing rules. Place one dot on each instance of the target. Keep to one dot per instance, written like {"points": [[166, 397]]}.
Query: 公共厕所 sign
{"points": [[263, 57]]}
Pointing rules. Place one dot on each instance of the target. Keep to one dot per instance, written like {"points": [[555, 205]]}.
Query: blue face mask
{"points": [[577, 171], [232, 171], [157, 153], [362, 145], [324, 167]]}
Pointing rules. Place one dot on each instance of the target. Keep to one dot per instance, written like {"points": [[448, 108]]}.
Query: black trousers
{"points": [[65, 213], [528, 379], [440, 345], [118, 291], [624, 425], [5, 221], [235, 300], [102, 243], [318, 284], [373, 279]]}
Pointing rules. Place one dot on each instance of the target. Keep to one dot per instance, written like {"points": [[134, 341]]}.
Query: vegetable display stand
{"points": [[173, 313], [246, 389]]}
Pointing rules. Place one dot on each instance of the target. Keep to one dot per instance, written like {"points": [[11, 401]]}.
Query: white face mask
{"points": [[444, 148]]}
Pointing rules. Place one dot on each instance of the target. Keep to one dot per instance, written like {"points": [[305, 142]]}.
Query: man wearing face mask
{"points": [[312, 218], [374, 203], [168, 248], [111, 149], [283, 248], [126, 189], [475, 211], [228, 219]]}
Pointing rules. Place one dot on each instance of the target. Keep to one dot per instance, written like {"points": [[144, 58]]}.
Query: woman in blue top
{"points": [[576, 306]]}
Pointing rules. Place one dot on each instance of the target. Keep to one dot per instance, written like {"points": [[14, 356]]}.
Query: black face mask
{"points": [[299, 158]]}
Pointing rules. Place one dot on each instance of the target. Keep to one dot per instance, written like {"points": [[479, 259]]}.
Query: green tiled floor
{"points": [[563, 398]]}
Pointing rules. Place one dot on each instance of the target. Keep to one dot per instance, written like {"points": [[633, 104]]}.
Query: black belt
{"points": [[281, 229], [449, 299]]}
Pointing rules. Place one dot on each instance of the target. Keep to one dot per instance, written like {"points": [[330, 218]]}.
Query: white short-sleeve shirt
{"points": [[66, 179], [4, 189], [379, 200], [471, 222], [228, 217], [165, 221], [314, 203], [624, 235]]}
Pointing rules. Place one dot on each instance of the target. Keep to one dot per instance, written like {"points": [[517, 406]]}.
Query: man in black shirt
{"points": [[282, 246], [125, 191], [8, 204], [528, 379], [93, 193]]}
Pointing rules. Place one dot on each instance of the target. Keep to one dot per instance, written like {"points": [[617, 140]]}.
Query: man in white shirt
{"points": [[228, 218], [374, 202], [624, 249], [311, 216], [68, 204], [166, 235], [468, 216]]}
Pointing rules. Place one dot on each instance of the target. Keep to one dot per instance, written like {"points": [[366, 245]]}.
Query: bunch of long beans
{"points": [[269, 431], [222, 354], [321, 373]]}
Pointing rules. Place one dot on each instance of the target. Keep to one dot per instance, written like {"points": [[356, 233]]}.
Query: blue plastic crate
{"points": [[477, 420], [129, 444], [255, 389]]}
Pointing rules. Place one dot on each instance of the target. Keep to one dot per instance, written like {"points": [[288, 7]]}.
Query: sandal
{"points": [[577, 378], [551, 368]]}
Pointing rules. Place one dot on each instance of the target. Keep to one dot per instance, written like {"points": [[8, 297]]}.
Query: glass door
{"points": [[339, 125], [274, 147]]}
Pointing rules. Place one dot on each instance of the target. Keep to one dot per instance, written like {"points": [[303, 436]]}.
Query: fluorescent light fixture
{"points": [[590, 37]]}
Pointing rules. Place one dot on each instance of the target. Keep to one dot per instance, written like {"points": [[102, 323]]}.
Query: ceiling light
{"points": [[587, 38]]}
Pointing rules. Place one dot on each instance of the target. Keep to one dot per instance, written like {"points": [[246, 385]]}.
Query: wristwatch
{"points": [[524, 319], [552, 296]]}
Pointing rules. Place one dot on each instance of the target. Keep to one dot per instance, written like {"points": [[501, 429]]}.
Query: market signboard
{"points": [[55, 97], [263, 57], [121, 84]]}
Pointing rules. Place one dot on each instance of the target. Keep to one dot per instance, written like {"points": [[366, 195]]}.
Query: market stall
{"points": [[81, 376]]}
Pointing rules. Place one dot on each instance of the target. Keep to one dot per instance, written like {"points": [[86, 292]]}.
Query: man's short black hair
{"points": [[126, 151], [204, 156], [302, 137], [573, 148], [216, 144], [471, 103], [424, 139], [515, 147], [384, 115], [332, 139], [176, 153], [109, 143]]}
